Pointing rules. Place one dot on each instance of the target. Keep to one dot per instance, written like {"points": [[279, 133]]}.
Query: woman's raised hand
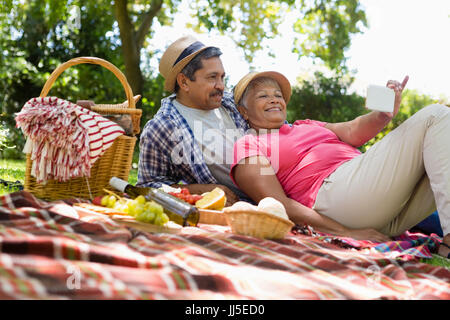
{"points": [[398, 88]]}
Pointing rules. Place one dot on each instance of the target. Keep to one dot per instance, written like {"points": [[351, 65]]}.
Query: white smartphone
{"points": [[380, 98]]}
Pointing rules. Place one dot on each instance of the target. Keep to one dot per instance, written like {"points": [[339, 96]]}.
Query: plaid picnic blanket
{"points": [[407, 246], [46, 252]]}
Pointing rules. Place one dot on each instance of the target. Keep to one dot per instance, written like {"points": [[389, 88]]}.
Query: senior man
{"points": [[191, 137]]}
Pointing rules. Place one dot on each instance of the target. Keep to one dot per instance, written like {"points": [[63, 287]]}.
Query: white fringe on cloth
{"points": [[63, 138]]}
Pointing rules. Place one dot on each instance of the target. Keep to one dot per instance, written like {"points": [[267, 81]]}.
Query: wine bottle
{"points": [[176, 209]]}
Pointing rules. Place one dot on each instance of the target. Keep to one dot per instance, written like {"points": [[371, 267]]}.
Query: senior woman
{"points": [[315, 169]]}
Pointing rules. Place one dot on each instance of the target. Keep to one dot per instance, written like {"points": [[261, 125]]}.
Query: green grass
{"points": [[132, 177], [438, 260], [13, 170]]}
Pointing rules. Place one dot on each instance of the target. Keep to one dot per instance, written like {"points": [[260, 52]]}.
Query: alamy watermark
{"points": [[373, 275], [216, 146], [74, 20], [73, 281]]}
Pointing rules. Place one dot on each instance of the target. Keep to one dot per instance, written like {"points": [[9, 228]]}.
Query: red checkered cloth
{"points": [[47, 252]]}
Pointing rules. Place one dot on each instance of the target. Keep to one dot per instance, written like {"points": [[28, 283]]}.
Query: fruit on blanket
{"points": [[104, 201], [140, 199], [214, 200], [111, 201], [97, 201], [186, 196], [141, 209]]}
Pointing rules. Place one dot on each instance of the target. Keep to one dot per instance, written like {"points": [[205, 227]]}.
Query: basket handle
{"points": [[92, 60]]}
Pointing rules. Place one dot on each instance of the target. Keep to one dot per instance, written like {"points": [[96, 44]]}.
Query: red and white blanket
{"points": [[63, 138], [49, 251]]}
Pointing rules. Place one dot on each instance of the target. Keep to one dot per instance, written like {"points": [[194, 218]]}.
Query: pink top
{"points": [[302, 155]]}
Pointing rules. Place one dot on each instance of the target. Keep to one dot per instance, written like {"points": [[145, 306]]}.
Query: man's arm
{"points": [[258, 180], [155, 163], [154, 156]]}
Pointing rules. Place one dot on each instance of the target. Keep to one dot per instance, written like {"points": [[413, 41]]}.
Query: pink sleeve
{"points": [[245, 147], [310, 122]]}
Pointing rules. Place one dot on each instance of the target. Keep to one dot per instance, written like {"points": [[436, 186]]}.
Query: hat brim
{"points": [[169, 84], [282, 81]]}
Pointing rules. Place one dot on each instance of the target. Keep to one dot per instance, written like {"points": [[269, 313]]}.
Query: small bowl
{"points": [[258, 224]]}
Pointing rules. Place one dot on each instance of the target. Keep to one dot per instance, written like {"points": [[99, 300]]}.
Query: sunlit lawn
{"points": [[14, 170], [11, 170]]}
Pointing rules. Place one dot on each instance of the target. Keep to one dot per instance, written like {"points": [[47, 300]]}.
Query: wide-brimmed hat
{"points": [[282, 81], [176, 57]]}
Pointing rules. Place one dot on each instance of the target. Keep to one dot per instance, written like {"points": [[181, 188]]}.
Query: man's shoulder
{"points": [[228, 100], [167, 106], [163, 120]]}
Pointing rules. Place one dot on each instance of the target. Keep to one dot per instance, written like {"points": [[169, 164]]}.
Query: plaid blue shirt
{"points": [[168, 151]]}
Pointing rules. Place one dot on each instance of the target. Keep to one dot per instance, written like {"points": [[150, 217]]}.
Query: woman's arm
{"points": [[363, 128], [256, 177]]}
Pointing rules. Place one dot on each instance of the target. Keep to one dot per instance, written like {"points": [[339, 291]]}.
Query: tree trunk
{"points": [[133, 40], [130, 49]]}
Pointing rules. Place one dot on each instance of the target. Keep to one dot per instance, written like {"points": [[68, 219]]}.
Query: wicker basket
{"points": [[122, 110], [212, 217], [258, 224], [116, 161]]}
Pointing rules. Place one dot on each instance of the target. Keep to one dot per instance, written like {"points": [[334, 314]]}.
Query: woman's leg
{"points": [[419, 206], [385, 187]]}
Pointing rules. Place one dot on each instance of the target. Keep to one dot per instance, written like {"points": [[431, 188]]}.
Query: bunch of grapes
{"points": [[186, 196], [141, 209]]}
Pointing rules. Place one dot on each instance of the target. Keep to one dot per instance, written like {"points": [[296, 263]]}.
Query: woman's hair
{"points": [[254, 83]]}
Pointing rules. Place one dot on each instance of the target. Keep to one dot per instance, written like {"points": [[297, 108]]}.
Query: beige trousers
{"points": [[398, 182]]}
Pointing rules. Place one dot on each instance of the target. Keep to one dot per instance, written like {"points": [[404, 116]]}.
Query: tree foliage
{"points": [[325, 99], [322, 28], [36, 36]]}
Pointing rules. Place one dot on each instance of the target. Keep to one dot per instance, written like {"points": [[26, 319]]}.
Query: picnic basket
{"points": [[117, 159], [257, 224]]}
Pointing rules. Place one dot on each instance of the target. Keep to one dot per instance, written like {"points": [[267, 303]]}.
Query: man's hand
{"points": [[196, 188], [398, 89]]}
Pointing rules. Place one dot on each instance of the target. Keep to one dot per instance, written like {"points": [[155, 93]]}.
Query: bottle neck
{"points": [[119, 184]]}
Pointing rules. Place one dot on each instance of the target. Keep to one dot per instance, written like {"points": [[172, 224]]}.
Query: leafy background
{"points": [[36, 37]]}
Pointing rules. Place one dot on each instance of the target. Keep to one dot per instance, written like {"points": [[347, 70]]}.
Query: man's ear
{"points": [[243, 111], [182, 82]]}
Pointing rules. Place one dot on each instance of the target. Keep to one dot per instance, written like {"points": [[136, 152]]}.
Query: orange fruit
{"points": [[213, 200]]}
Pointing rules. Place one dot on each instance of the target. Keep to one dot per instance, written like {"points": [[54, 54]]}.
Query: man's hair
{"points": [[196, 64], [253, 84]]}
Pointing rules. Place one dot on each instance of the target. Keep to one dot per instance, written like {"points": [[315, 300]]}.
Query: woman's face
{"points": [[264, 107]]}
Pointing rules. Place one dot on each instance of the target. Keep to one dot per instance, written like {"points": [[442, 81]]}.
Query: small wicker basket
{"points": [[212, 217], [258, 224], [116, 161]]}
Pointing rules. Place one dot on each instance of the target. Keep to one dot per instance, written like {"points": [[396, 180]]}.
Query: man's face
{"points": [[206, 91]]}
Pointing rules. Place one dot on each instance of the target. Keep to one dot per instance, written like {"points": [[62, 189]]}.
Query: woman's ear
{"points": [[243, 111], [182, 82]]}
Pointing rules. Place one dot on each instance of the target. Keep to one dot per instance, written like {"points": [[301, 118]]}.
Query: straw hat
{"points": [[282, 81], [176, 57]]}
